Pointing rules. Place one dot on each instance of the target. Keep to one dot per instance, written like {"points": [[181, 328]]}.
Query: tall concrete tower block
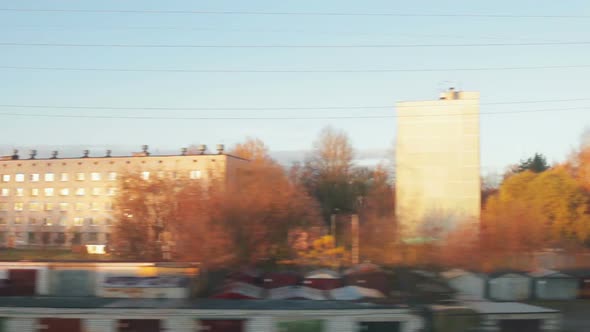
{"points": [[437, 164]]}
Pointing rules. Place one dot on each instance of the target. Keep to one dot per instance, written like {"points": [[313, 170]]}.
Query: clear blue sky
{"points": [[505, 138]]}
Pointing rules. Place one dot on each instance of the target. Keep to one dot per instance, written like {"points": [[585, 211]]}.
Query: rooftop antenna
{"points": [[108, 154], [15, 154], [33, 154], [183, 151], [86, 153], [54, 154], [144, 148]]}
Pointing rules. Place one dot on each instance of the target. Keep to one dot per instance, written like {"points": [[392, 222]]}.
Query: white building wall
{"points": [[100, 325], [437, 163], [21, 325], [262, 323]]}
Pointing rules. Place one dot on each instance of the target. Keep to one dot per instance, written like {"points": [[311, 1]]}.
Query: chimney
{"points": [[220, 148], [54, 155], [108, 154], [33, 154], [15, 154], [202, 148], [86, 153]]}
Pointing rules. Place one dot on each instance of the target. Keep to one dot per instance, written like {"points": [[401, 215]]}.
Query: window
{"points": [[112, 176], [64, 206], [47, 221], [19, 177], [32, 221], [95, 206], [80, 192], [91, 221], [32, 237], [111, 191], [80, 176], [196, 174], [92, 237], [48, 192], [77, 238], [61, 238], [19, 206], [161, 174], [5, 192], [96, 191], [145, 175], [95, 176], [108, 206], [34, 206], [3, 206], [48, 206], [2, 221], [108, 221], [64, 191], [34, 191], [49, 177], [64, 177], [18, 220], [35, 177], [5, 177], [63, 220], [20, 192], [78, 221], [80, 206]]}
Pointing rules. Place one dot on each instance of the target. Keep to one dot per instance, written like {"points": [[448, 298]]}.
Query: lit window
{"points": [[95, 176], [6, 178], [80, 176], [145, 175], [78, 221], [34, 191], [96, 191], [111, 191], [32, 221], [64, 177], [112, 176], [48, 206], [20, 192], [5, 192], [64, 206], [90, 221], [80, 192], [196, 174], [18, 220], [2, 221], [48, 192], [108, 206], [19, 177], [47, 221], [49, 177], [63, 220], [81, 206], [34, 206], [95, 206], [64, 191], [19, 206], [35, 177]]}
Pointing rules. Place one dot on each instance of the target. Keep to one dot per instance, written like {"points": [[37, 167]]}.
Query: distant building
{"points": [[437, 163], [69, 201]]}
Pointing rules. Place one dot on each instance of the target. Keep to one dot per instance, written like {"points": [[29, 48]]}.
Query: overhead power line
{"points": [[284, 13], [311, 46], [118, 117], [278, 108], [374, 70]]}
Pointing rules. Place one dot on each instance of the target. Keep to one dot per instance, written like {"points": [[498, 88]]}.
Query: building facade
{"points": [[69, 201], [437, 163]]}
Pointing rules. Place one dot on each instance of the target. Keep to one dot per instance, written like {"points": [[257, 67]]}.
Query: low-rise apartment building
{"points": [[69, 201]]}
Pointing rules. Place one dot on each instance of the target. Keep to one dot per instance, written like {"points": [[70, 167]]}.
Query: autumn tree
{"points": [[145, 210]]}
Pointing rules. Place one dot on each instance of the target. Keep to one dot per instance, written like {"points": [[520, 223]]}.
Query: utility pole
{"points": [[354, 226]]}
